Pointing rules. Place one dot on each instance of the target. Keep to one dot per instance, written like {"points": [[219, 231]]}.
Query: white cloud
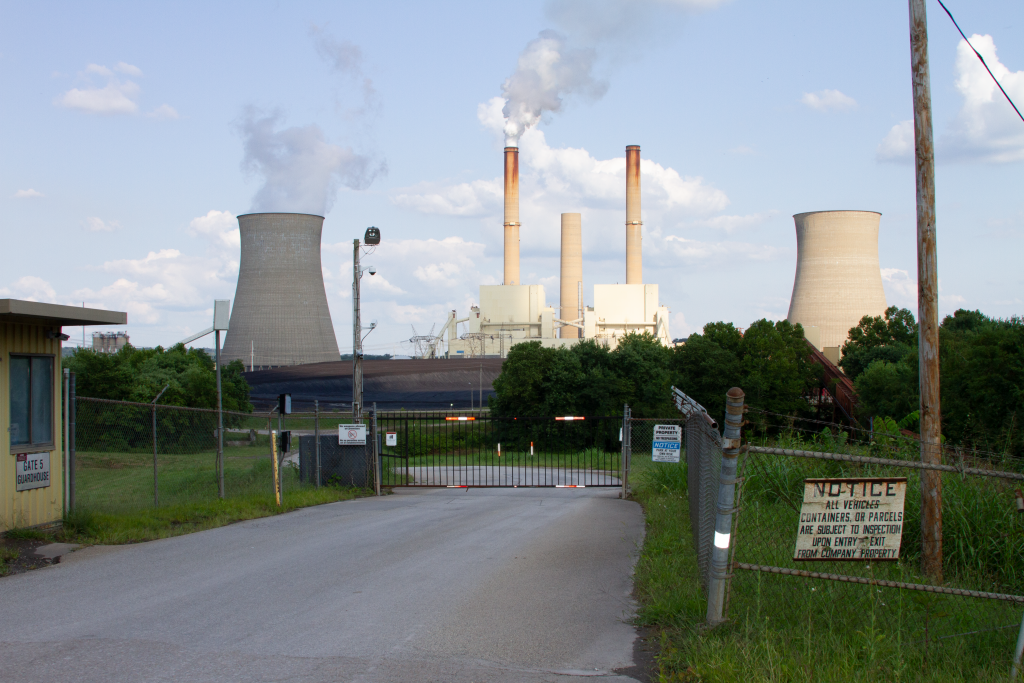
{"points": [[730, 224], [128, 69], [164, 111], [99, 225], [475, 198], [114, 98], [28, 194], [563, 178], [680, 328], [677, 249], [30, 288], [220, 227], [828, 100], [987, 128], [898, 145], [900, 288]]}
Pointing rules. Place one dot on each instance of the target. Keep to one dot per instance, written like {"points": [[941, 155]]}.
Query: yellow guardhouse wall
{"points": [[43, 505]]}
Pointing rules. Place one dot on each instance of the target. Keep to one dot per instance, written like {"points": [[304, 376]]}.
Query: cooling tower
{"points": [[838, 279], [280, 314], [571, 273], [511, 216], [634, 251]]}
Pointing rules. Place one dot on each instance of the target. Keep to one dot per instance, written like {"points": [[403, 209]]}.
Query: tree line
{"points": [[982, 374]]}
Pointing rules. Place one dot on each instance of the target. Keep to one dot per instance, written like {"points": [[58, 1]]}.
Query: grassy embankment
{"points": [[789, 629], [114, 502]]}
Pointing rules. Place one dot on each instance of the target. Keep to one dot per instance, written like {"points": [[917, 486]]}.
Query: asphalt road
{"points": [[471, 585]]}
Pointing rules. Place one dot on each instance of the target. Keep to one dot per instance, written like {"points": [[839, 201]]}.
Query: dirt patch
{"points": [[645, 647], [17, 555]]}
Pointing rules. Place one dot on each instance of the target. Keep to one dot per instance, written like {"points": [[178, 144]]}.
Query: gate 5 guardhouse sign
{"points": [[851, 519]]}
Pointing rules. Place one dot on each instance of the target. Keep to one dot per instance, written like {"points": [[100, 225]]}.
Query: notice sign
{"points": [[667, 443], [352, 435], [391, 439], [32, 471], [851, 519]]}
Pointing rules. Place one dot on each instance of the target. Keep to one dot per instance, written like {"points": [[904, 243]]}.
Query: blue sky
{"points": [[134, 133]]}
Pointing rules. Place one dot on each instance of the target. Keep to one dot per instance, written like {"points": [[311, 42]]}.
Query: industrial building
{"points": [[513, 312], [280, 314], [33, 486], [109, 342], [838, 278]]}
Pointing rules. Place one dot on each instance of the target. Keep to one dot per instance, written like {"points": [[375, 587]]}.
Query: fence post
{"points": [[626, 440], [726, 498], [273, 460], [71, 441], [316, 433], [376, 455], [156, 497]]}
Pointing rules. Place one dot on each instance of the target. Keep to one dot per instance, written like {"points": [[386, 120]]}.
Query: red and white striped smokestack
{"points": [[634, 251], [512, 216]]}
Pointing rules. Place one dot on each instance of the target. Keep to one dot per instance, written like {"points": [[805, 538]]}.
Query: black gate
{"points": [[462, 450]]}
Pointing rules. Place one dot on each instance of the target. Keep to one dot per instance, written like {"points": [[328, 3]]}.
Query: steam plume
{"points": [[301, 170], [548, 71]]}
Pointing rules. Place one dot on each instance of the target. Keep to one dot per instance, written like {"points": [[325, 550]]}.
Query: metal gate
{"points": [[478, 450]]}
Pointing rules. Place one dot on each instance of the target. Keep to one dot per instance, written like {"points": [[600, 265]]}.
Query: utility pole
{"points": [[357, 355], [927, 297]]}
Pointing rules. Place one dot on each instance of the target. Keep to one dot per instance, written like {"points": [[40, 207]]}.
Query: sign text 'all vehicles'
{"points": [[851, 519]]}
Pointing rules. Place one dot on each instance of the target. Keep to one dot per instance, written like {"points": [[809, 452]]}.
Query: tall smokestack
{"points": [[634, 251], [512, 216], [572, 273]]}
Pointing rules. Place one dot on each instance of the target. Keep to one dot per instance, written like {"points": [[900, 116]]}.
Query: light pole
{"points": [[371, 238]]}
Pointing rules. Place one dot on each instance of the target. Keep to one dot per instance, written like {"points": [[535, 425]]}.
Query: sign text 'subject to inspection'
{"points": [[851, 519]]}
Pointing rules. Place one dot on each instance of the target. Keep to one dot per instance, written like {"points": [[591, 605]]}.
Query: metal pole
{"points": [[625, 446], [71, 442], [316, 430], [156, 496], [927, 297], [273, 461], [481, 387], [357, 360], [376, 454], [280, 465], [1017, 653], [67, 444], [726, 498], [220, 419]]}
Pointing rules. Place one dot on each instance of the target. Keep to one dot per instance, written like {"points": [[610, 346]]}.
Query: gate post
{"points": [[726, 499], [626, 443]]}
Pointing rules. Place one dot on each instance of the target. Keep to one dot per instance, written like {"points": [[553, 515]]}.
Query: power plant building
{"points": [[280, 314], [838, 278], [513, 312]]}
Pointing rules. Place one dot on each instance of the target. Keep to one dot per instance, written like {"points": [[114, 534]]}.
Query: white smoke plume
{"points": [[301, 170], [548, 71], [346, 59]]}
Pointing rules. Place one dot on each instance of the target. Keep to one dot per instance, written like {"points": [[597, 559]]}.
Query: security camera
{"points": [[373, 271], [57, 335]]}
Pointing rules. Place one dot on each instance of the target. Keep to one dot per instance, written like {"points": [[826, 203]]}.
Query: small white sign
{"points": [[667, 443], [851, 519], [352, 435], [391, 438], [32, 471]]}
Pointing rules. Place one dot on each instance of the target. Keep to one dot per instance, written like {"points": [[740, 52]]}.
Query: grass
{"points": [[790, 629], [7, 555]]}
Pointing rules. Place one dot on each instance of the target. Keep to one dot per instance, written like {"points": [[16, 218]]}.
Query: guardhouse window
{"points": [[31, 382]]}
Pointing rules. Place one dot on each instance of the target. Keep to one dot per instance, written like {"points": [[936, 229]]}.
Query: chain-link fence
{"points": [[130, 456], [826, 543]]}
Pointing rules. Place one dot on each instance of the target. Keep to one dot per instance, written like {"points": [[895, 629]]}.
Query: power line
{"points": [[982, 60]]}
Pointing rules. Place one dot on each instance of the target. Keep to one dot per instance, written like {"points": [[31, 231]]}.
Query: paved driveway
{"points": [[431, 585]]}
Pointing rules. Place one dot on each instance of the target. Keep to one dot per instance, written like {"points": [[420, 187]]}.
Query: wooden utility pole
{"points": [[357, 332], [927, 297]]}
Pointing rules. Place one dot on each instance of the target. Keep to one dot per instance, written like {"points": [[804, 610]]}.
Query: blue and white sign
{"points": [[667, 445]]}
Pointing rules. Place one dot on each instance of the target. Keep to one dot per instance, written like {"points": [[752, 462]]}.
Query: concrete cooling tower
{"points": [[280, 314], [838, 279]]}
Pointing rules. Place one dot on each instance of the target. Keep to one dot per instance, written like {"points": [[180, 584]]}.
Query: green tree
{"points": [[708, 365], [887, 337], [138, 375]]}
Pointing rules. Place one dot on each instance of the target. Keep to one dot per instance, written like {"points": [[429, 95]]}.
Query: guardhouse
{"points": [[32, 456]]}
